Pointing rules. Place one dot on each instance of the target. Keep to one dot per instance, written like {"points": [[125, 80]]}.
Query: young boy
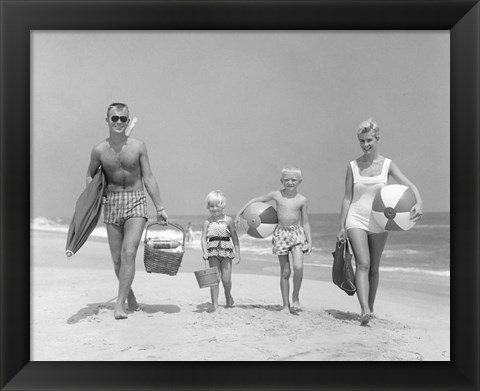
{"points": [[292, 234]]}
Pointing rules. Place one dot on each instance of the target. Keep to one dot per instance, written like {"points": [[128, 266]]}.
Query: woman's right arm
{"points": [[347, 200]]}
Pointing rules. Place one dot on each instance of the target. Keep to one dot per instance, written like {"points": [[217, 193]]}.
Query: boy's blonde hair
{"points": [[217, 198], [292, 170], [367, 126]]}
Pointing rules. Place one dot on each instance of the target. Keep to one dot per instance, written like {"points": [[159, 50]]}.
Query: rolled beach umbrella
{"points": [[130, 126], [87, 212]]}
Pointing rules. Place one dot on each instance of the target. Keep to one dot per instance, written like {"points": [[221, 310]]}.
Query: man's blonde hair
{"points": [[118, 106]]}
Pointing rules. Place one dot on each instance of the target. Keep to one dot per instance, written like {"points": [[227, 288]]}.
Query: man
{"points": [[125, 163]]}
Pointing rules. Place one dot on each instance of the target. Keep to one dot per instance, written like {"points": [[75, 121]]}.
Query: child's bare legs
{"points": [[226, 275], [297, 257], [214, 290], [284, 280]]}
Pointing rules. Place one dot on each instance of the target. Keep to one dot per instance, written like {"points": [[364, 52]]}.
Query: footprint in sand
{"points": [[138, 348]]}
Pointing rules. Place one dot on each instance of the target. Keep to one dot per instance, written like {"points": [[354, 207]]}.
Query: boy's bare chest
{"points": [[294, 203]]}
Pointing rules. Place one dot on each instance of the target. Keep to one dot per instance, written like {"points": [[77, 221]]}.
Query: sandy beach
{"points": [[72, 314]]}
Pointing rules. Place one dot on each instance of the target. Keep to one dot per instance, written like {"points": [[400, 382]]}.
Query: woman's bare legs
{"points": [[367, 250], [376, 244]]}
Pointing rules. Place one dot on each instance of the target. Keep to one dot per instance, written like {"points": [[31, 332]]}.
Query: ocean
{"points": [[423, 252]]}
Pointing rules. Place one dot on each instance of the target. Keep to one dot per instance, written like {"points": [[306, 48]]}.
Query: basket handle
{"points": [[175, 225]]}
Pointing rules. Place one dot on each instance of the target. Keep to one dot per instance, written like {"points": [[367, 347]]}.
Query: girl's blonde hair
{"points": [[217, 198], [367, 126]]}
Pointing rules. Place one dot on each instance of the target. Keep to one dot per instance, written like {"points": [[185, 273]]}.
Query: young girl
{"points": [[220, 244], [365, 176]]}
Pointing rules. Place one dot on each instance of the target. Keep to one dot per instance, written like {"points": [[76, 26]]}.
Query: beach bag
{"points": [[342, 271]]}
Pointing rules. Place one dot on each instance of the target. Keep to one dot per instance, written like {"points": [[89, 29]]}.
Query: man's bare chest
{"points": [[124, 159]]}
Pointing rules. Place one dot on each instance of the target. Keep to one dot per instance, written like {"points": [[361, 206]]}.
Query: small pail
{"points": [[207, 277]]}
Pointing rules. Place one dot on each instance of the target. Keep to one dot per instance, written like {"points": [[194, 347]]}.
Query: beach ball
{"points": [[391, 207], [259, 219]]}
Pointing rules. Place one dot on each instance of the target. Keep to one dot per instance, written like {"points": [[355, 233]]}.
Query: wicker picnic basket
{"points": [[164, 261]]}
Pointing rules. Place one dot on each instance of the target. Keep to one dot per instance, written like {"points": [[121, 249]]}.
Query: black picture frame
{"points": [[19, 18]]}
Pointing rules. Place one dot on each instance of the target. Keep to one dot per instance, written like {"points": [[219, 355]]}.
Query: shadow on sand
{"points": [[204, 307], [273, 308], [94, 308], [341, 315]]}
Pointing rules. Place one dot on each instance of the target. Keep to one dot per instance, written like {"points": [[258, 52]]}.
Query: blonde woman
{"points": [[365, 177]]}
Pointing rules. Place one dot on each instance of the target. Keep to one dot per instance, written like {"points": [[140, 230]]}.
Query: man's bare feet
{"points": [[120, 314], [132, 304], [136, 308]]}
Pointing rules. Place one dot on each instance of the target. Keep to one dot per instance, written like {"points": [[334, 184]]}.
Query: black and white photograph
{"points": [[239, 194], [276, 142]]}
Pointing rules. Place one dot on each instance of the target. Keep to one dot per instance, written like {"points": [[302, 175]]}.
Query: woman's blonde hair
{"points": [[217, 198], [367, 126]]}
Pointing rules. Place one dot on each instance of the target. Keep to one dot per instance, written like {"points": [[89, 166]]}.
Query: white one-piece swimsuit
{"points": [[365, 188]]}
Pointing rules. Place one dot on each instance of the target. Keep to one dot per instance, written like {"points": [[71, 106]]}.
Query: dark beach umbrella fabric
{"points": [[87, 212]]}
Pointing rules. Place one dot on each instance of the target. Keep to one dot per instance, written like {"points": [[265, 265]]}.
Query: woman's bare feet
{"points": [[365, 318], [296, 305], [285, 310], [230, 301]]}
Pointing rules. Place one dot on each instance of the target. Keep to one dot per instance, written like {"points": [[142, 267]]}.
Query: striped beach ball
{"points": [[391, 207], [259, 219]]}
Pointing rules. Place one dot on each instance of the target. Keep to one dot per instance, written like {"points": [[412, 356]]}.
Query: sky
{"points": [[227, 110]]}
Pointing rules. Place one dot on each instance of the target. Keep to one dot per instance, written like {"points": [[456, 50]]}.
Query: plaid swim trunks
{"points": [[287, 239], [119, 206]]}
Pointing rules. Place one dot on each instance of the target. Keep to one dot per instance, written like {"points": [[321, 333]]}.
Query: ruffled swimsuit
{"points": [[219, 243], [365, 189]]}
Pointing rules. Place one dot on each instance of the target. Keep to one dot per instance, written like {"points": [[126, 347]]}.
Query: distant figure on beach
{"points": [[365, 177], [292, 235], [220, 245], [189, 232], [124, 161]]}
